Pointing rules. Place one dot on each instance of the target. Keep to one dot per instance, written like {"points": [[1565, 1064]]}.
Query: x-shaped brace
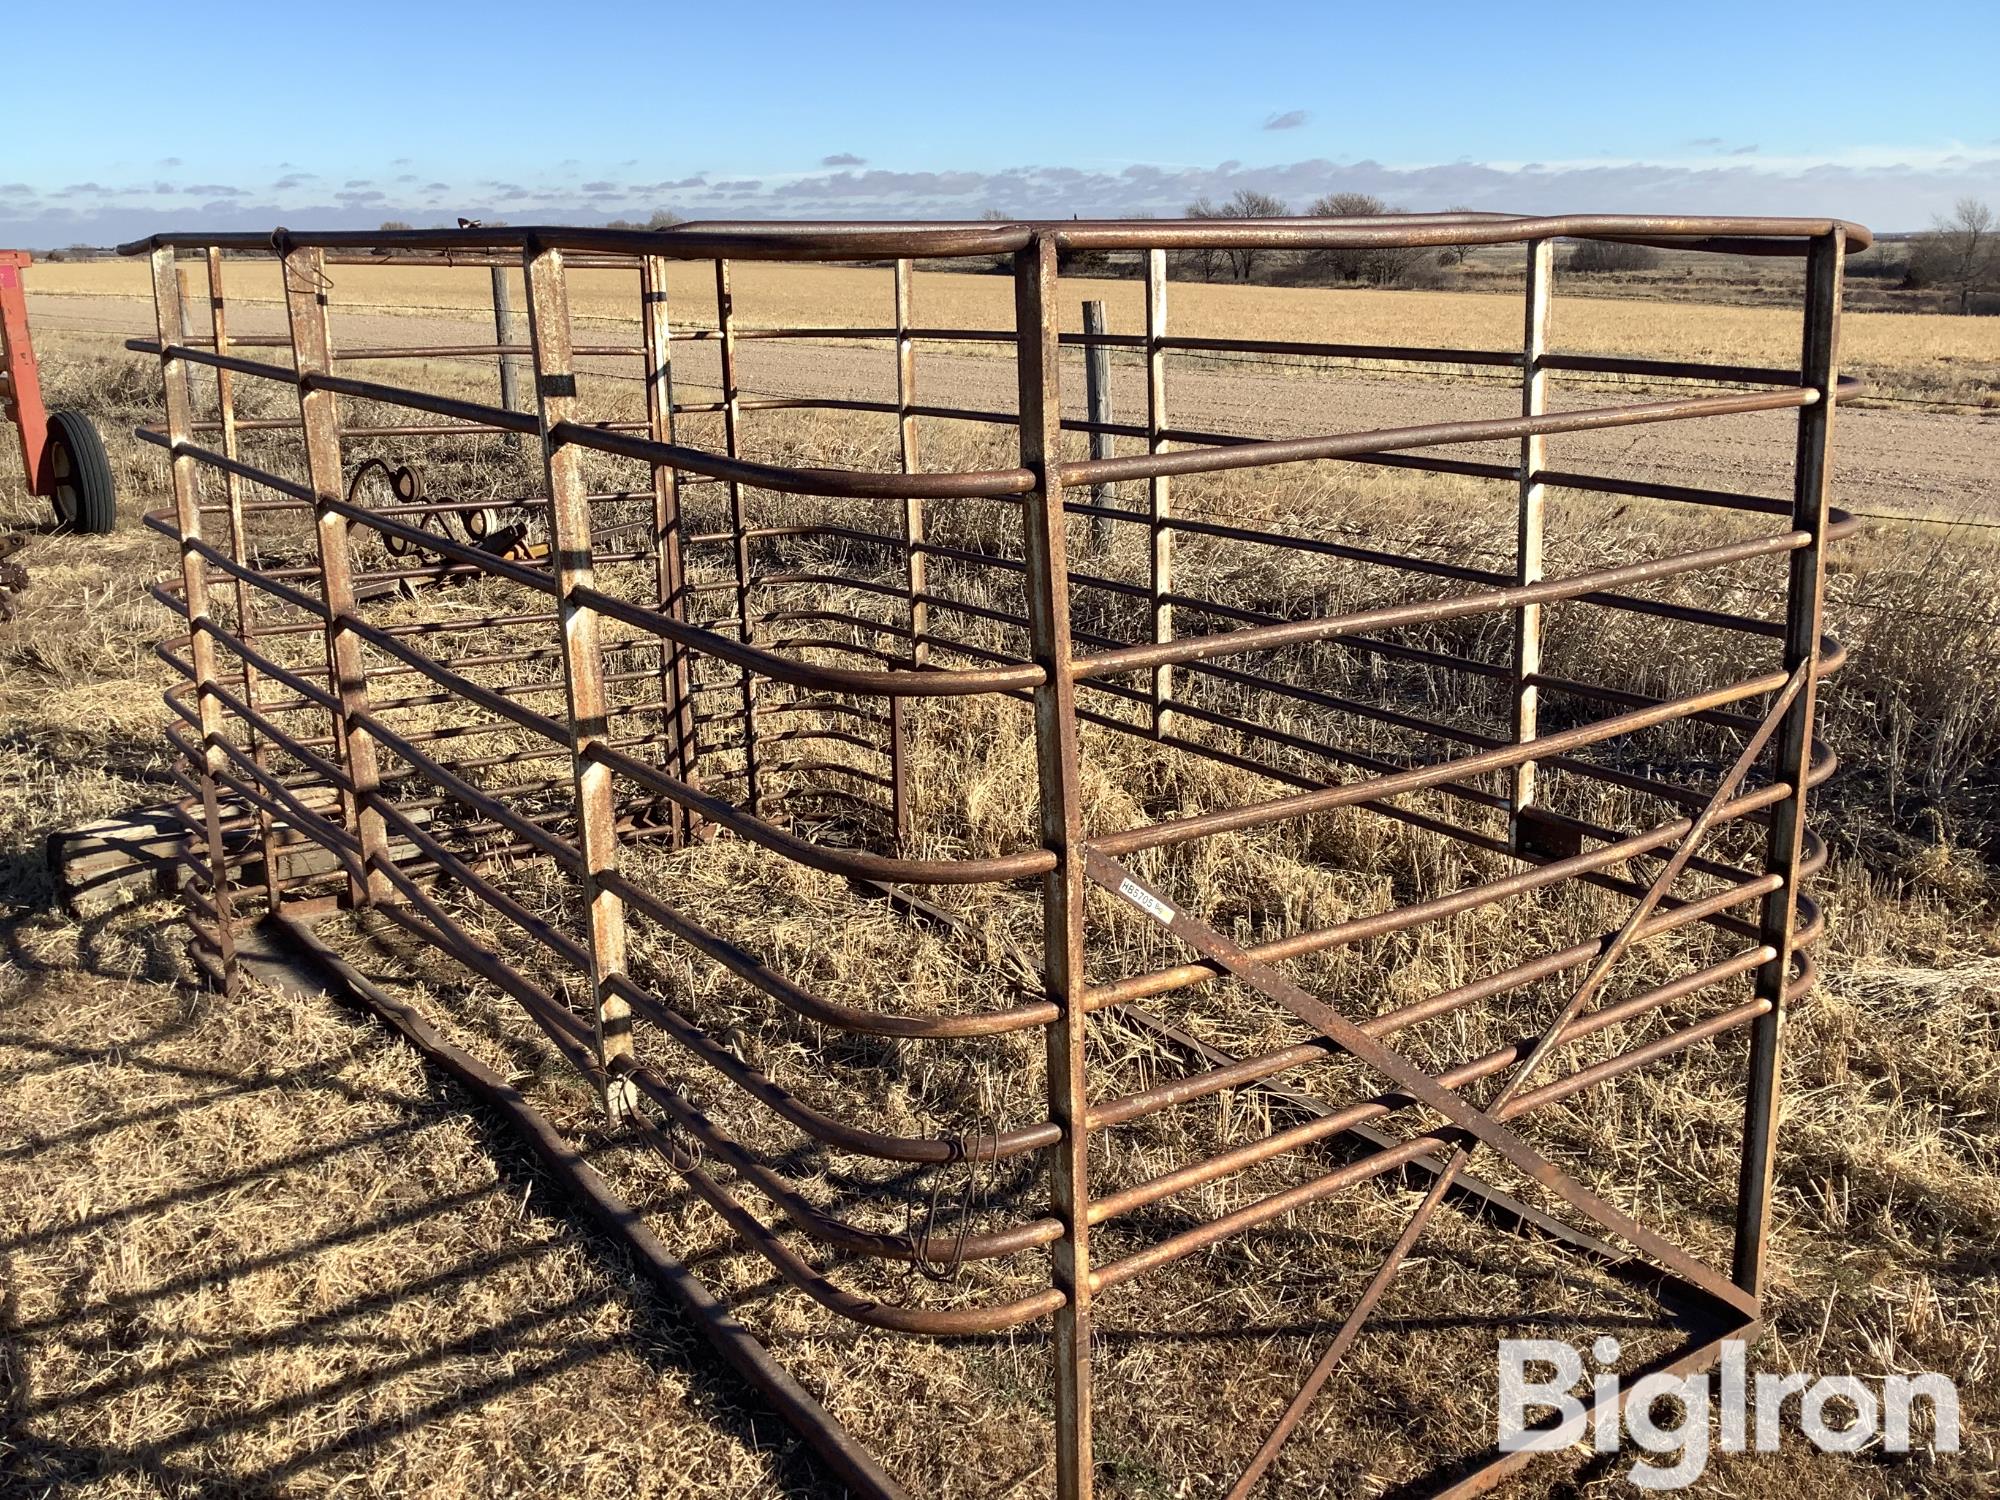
{"points": [[1478, 1126]]}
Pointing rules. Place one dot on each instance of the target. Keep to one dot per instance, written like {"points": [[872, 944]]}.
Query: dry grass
{"points": [[1943, 358], [251, 1248], [266, 1256]]}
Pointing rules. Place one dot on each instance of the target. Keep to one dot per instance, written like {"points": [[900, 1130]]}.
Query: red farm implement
{"points": [[61, 454]]}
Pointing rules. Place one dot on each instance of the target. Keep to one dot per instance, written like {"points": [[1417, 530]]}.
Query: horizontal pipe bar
{"points": [[1431, 611], [1262, 454], [856, 484]]}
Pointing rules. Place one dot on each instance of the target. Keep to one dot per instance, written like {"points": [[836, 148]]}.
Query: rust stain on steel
{"points": [[654, 712]]}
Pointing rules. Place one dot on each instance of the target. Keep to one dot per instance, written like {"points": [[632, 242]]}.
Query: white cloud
{"points": [[1887, 187]]}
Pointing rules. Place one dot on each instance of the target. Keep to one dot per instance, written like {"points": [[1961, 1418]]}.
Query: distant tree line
{"points": [[1958, 258], [663, 218], [1375, 265]]}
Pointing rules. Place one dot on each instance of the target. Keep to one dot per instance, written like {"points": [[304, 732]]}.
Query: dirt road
{"points": [[1923, 465]]}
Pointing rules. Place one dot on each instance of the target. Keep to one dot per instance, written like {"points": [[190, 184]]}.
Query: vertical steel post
{"points": [[504, 335], [1097, 406], [1819, 368], [583, 659], [1061, 822], [732, 411], [239, 552], [669, 573], [915, 582], [1528, 529], [194, 583], [1159, 503], [319, 418]]}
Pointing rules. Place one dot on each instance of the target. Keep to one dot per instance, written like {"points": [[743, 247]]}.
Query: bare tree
{"points": [[1201, 262], [392, 225], [1376, 265], [1960, 253], [1250, 204], [1454, 255], [1348, 206]]}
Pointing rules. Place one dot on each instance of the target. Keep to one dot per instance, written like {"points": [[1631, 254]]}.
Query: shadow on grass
{"points": [[137, 1369], [529, 1348]]}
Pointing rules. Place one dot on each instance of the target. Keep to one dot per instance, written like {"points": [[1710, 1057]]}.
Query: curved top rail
{"points": [[867, 239], [748, 241], [1741, 235]]}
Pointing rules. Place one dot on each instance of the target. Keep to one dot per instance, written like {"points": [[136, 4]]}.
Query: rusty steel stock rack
{"points": [[303, 769]]}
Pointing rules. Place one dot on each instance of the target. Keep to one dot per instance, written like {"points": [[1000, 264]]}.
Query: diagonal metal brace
{"points": [[1407, 1075], [1600, 971]]}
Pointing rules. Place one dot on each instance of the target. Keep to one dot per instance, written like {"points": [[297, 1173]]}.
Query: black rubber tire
{"points": [[80, 472]]}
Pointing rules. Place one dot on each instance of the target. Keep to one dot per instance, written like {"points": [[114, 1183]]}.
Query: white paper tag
{"points": [[1145, 900]]}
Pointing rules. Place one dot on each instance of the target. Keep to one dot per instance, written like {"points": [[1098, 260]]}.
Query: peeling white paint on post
{"points": [[583, 660], [306, 285], [1097, 405], [506, 335], [1528, 532], [1159, 499], [239, 552], [171, 322], [669, 570]]}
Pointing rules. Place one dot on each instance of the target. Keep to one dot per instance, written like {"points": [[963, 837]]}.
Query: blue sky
{"points": [[354, 113]]}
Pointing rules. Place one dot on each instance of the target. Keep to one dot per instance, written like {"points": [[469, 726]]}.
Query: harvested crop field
{"points": [[1925, 451], [1942, 358], [261, 1251]]}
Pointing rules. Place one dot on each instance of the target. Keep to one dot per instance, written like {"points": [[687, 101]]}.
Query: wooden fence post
{"points": [[504, 334], [1097, 399]]}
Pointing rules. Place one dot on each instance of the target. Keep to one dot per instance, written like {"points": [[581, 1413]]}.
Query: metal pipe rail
{"points": [[601, 696], [843, 240]]}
